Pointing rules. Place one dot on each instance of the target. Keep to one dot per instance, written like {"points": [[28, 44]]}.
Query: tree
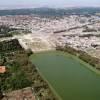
{"points": [[1, 94], [29, 52]]}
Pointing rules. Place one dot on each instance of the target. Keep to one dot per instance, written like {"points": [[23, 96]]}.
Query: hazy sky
{"points": [[50, 3]]}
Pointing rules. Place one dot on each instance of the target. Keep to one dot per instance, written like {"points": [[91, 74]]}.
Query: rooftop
{"points": [[2, 69]]}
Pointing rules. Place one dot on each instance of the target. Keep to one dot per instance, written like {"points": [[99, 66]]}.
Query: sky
{"points": [[47, 3]]}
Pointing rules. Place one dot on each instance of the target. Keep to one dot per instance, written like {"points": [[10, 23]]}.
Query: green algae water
{"points": [[72, 79]]}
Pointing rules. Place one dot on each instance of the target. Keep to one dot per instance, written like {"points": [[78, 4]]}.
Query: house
{"points": [[2, 69]]}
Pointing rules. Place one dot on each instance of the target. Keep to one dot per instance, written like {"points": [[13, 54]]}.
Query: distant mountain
{"points": [[51, 11]]}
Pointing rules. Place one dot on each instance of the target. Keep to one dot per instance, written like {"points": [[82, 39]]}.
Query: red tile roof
{"points": [[2, 69]]}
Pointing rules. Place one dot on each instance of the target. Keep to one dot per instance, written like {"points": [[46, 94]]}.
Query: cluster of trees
{"points": [[10, 45], [21, 72], [13, 56], [6, 31], [95, 62], [16, 77]]}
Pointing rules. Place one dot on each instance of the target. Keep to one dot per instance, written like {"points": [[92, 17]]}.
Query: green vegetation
{"points": [[8, 46], [6, 31], [15, 59], [17, 65], [21, 72]]}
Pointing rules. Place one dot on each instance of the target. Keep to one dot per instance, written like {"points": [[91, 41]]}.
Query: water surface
{"points": [[69, 77]]}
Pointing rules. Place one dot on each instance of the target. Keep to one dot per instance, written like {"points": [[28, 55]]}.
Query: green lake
{"points": [[71, 78]]}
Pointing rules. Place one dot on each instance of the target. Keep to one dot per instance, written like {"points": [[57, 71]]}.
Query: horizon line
{"points": [[8, 7]]}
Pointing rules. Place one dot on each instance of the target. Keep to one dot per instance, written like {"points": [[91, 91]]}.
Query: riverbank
{"points": [[93, 61], [50, 87], [87, 65]]}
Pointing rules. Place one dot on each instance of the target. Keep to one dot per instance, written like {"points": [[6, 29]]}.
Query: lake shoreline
{"points": [[67, 54], [83, 56]]}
